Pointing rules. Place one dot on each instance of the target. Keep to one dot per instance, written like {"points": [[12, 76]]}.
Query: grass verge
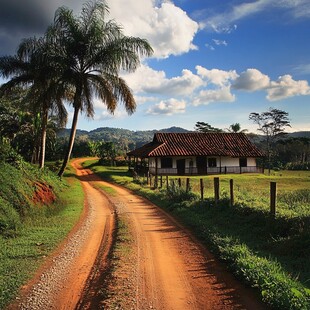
{"points": [[38, 234], [271, 255]]}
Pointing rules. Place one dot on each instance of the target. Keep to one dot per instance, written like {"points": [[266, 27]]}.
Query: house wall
{"points": [[251, 162], [152, 162], [220, 161], [224, 165], [234, 162], [228, 161]]}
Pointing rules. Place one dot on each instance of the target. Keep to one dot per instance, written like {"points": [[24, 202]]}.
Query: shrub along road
{"points": [[154, 264]]}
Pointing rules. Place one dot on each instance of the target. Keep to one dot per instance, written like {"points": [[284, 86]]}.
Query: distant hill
{"points": [[299, 134], [121, 137]]}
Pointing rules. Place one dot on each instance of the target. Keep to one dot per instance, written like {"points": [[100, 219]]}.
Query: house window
{"points": [[243, 162], [211, 162], [166, 162]]}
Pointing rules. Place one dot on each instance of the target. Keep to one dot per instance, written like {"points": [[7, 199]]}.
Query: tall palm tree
{"points": [[89, 54], [30, 69]]}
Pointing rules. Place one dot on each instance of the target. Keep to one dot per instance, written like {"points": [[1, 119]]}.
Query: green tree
{"points": [[272, 124], [30, 70], [205, 127], [107, 152], [236, 128], [293, 151], [89, 53]]}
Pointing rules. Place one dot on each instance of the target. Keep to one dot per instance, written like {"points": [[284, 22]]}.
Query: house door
{"points": [[201, 162], [181, 166]]}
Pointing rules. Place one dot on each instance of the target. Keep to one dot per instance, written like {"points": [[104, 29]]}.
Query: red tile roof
{"points": [[198, 144]]}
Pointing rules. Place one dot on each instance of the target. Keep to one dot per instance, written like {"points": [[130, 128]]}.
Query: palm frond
{"points": [[103, 89]]}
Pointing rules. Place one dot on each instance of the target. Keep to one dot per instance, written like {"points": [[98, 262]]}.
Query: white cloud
{"points": [[286, 87], [251, 80], [143, 99], [214, 95], [177, 86], [216, 76], [168, 107], [226, 22], [148, 80], [303, 69], [144, 77], [103, 115], [167, 27], [220, 42], [298, 8], [208, 86], [210, 47]]}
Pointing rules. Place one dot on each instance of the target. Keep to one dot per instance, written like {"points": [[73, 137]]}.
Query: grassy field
{"points": [[253, 190], [270, 254], [38, 234]]}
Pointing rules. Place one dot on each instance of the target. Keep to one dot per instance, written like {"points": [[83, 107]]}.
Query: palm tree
{"points": [[236, 128], [30, 69], [89, 54]]}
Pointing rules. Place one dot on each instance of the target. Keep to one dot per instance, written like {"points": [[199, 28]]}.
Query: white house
{"points": [[197, 153]]}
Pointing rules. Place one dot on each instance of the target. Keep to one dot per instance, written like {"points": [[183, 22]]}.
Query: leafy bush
{"points": [[9, 219], [177, 194], [298, 166], [9, 155]]}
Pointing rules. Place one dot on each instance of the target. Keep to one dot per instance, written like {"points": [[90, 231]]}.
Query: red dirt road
{"points": [[165, 267]]}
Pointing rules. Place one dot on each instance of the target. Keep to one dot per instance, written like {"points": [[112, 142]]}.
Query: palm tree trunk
{"points": [[43, 139], [71, 142]]}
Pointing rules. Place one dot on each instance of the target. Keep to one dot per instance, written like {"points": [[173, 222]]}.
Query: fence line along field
{"points": [[252, 190]]}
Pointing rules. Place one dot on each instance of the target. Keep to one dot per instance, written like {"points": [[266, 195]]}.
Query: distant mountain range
{"points": [[134, 139], [122, 137]]}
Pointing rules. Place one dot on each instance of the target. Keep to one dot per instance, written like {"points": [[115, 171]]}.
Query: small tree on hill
{"points": [[236, 128], [272, 124], [205, 127]]}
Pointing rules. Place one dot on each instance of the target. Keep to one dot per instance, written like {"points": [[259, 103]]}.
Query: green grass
{"points": [[270, 254], [109, 190], [38, 234]]}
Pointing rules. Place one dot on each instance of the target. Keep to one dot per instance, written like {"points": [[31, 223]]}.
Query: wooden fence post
{"points": [[273, 195], [201, 189], [231, 187], [187, 185], [216, 190]]}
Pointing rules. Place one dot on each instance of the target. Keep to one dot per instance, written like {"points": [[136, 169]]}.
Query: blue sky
{"points": [[214, 61]]}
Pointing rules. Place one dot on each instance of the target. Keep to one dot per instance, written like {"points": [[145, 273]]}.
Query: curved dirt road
{"points": [[164, 267]]}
